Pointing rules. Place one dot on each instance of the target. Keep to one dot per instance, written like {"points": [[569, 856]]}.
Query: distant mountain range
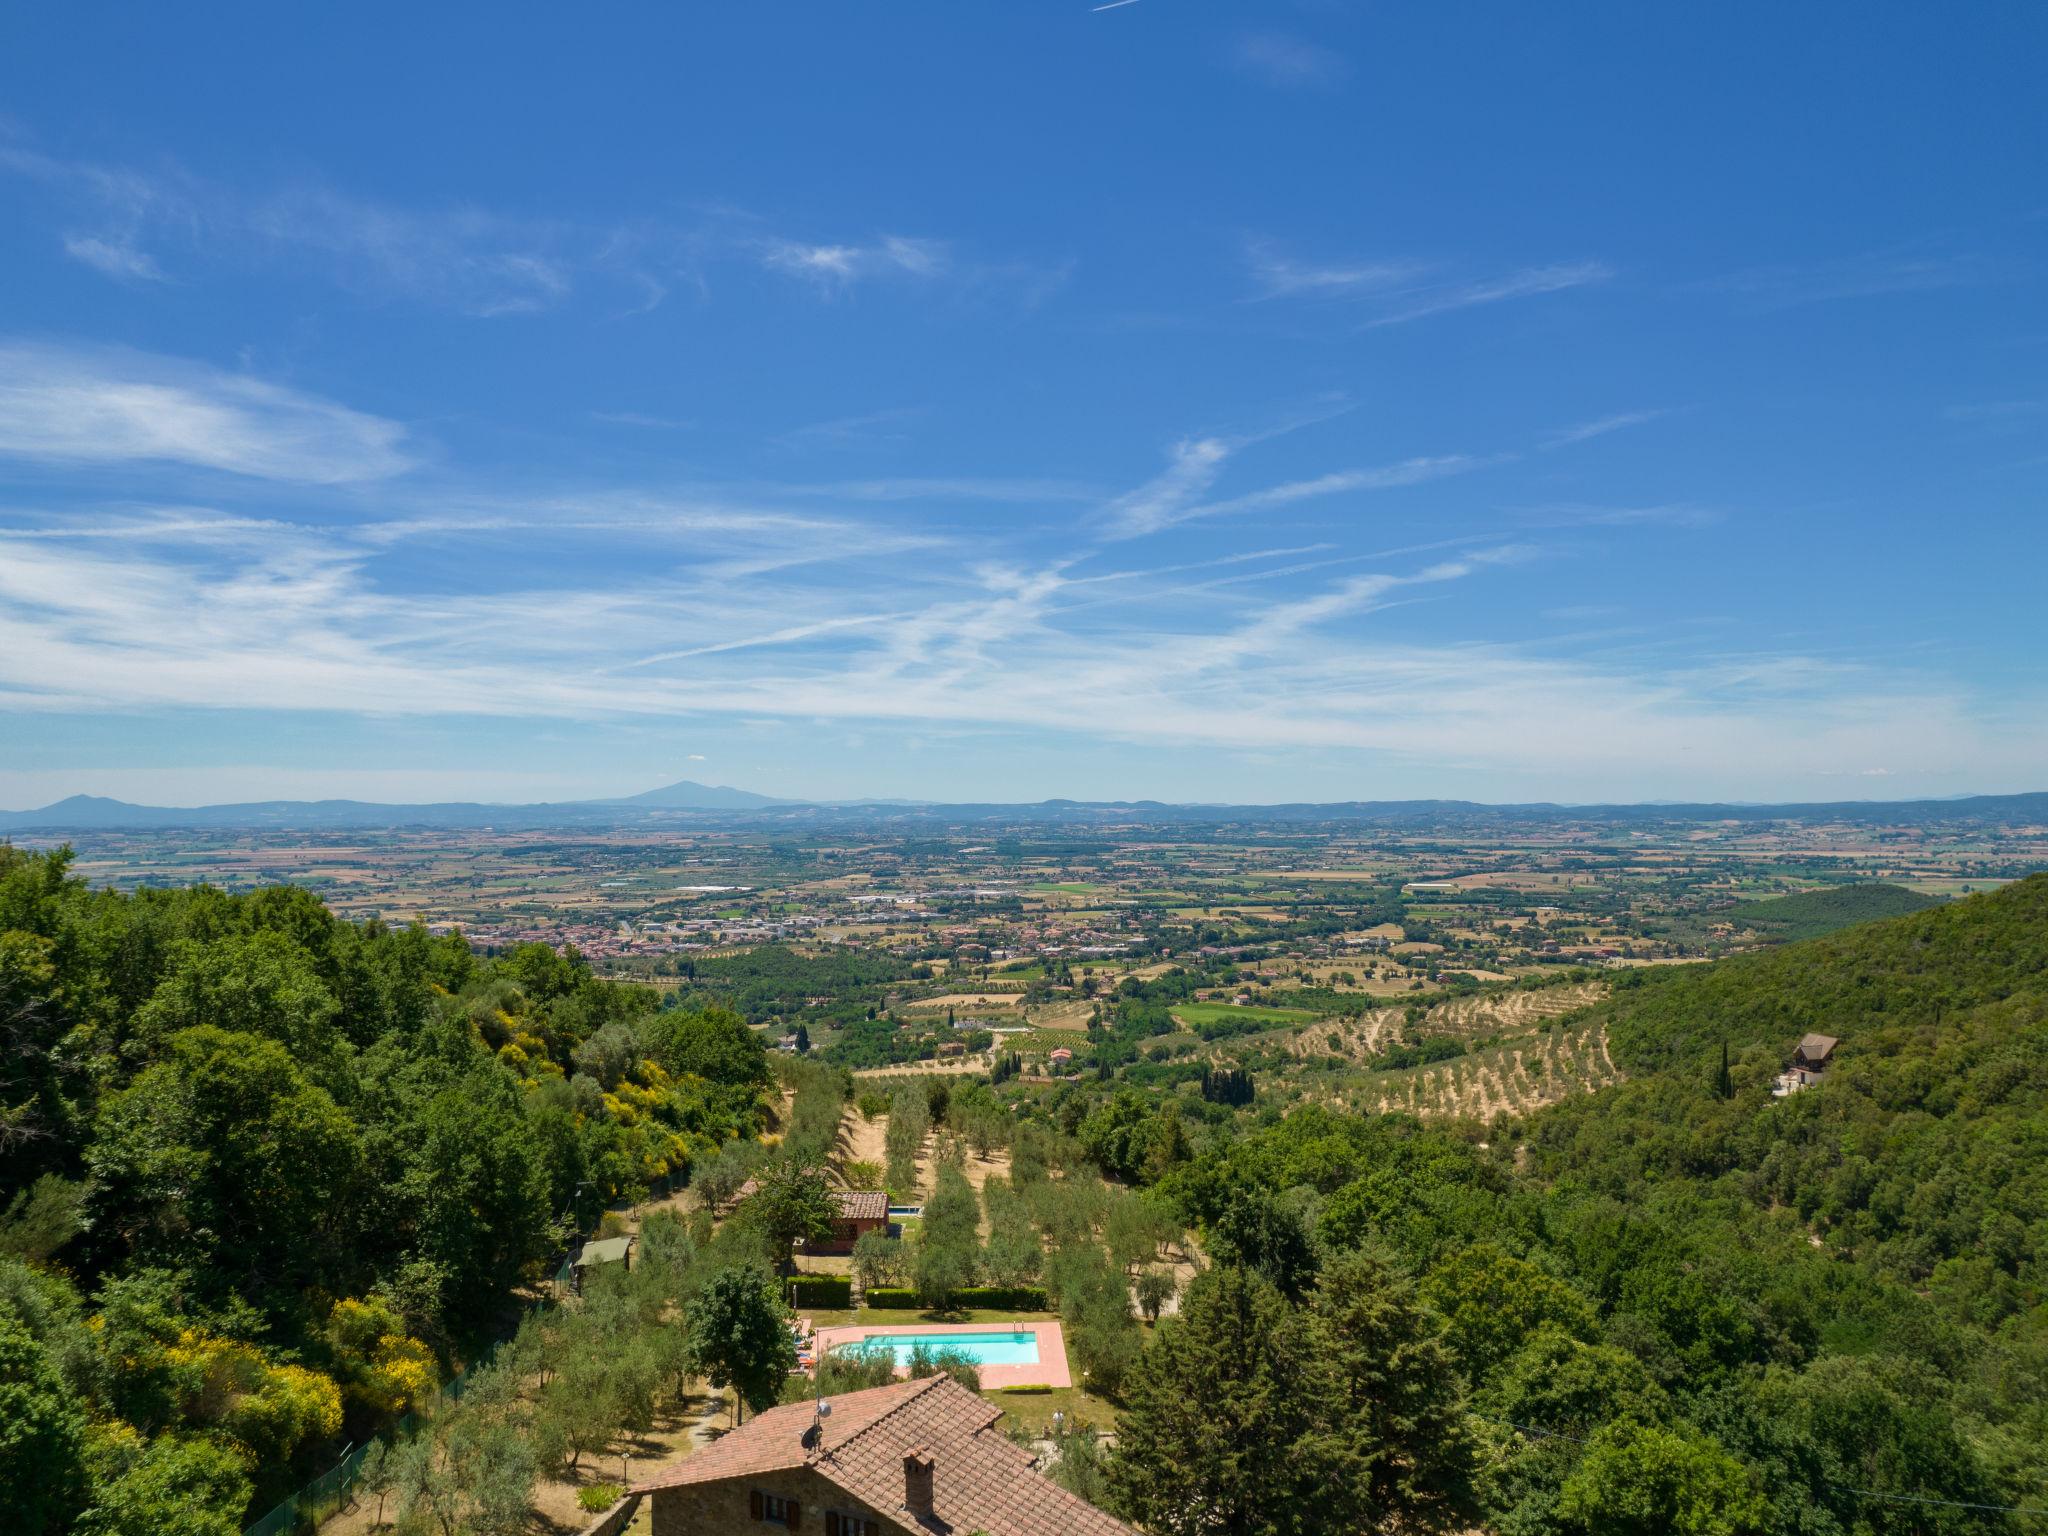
{"points": [[694, 803]]}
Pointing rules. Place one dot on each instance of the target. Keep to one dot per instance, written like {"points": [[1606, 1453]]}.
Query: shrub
{"points": [[925, 1360], [992, 1298], [598, 1497], [822, 1291]]}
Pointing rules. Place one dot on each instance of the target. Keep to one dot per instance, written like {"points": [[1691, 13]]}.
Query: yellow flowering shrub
{"points": [[270, 1409], [381, 1365]]}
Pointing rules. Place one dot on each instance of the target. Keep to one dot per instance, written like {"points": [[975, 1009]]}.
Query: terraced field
{"points": [[1520, 1076], [1500, 1013], [1464, 1018]]}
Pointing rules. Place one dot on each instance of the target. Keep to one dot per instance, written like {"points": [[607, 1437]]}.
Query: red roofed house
{"points": [[860, 1210], [912, 1459]]}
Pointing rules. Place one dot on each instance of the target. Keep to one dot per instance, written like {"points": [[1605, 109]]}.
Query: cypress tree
{"points": [[1229, 1421]]}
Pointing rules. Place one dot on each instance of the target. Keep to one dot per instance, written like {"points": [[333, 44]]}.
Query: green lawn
{"points": [[1033, 1410], [1213, 1013], [1028, 1408], [910, 1317]]}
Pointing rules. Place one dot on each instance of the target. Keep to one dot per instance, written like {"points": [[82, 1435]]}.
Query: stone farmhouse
{"points": [[917, 1458]]}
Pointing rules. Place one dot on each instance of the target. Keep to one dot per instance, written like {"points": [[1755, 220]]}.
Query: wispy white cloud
{"points": [[149, 225], [114, 256], [104, 406], [1586, 515], [281, 617], [835, 267], [462, 257], [1192, 467], [1600, 426], [643, 419], [1383, 477], [1019, 489], [1178, 493], [1283, 60], [1395, 290], [866, 430], [1527, 283], [1873, 274], [1279, 275]]}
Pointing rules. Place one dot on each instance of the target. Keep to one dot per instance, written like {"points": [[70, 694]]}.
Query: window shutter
{"points": [[831, 1522], [795, 1516], [754, 1502]]}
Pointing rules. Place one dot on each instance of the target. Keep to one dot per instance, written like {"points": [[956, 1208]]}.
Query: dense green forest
{"points": [[1811, 914], [774, 981], [265, 1176], [1678, 1304]]}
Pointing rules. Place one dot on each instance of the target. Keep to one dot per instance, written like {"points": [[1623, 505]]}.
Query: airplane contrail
{"points": [[1113, 5]]}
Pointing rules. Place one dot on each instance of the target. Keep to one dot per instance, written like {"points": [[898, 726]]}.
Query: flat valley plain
{"points": [[1425, 968]]}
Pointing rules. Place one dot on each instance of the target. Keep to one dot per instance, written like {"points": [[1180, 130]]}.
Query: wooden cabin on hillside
{"points": [[1810, 1059]]}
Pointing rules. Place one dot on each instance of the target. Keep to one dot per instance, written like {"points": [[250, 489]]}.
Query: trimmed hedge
{"points": [[823, 1291], [994, 1298]]}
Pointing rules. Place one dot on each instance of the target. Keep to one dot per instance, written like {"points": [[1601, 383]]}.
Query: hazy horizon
{"points": [[846, 799]]}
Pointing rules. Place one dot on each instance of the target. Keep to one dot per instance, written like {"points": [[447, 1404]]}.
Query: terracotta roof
{"points": [[980, 1479], [854, 1204], [863, 1204]]}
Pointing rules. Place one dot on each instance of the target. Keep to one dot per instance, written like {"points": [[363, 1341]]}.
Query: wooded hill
{"points": [[1675, 1306], [1810, 914], [267, 1177]]}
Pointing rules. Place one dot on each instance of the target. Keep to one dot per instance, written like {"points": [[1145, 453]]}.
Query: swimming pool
{"points": [[1000, 1348]]}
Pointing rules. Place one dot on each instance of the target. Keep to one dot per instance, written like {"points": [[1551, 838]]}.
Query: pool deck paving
{"points": [[1050, 1369]]}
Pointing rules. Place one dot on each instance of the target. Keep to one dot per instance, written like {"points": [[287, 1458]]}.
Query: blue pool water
{"points": [[982, 1348]]}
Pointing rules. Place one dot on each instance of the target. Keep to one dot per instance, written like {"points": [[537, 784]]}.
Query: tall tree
{"points": [[1400, 1386], [791, 1202], [1637, 1480], [1229, 1426], [42, 1437], [740, 1335], [225, 1157]]}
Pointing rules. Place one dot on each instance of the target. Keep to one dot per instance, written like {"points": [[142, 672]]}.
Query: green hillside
{"points": [[1917, 969], [267, 1177], [1794, 1315], [1810, 914]]}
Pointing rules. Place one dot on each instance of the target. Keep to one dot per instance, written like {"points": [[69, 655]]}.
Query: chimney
{"points": [[917, 1484]]}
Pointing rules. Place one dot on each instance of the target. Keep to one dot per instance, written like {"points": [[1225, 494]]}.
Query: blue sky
{"points": [[1239, 402]]}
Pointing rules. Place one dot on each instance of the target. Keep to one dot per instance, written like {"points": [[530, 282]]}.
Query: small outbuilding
{"points": [[860, 1211], [595, 1255]]}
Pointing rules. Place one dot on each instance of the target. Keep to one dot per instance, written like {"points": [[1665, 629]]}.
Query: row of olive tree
{"points": [[576, 1385]]}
